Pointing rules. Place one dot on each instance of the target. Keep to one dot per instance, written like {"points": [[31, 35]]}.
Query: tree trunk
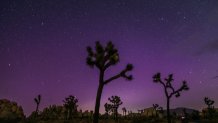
{"points": [[37, 108], [97, 103], [168, 110], [70, 114], [116, 114]]}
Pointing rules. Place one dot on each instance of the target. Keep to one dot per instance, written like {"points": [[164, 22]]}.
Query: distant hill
{"points": [[179, 110]]}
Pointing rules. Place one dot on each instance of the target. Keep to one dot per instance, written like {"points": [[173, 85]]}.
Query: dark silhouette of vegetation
{"points": [[103, 58], [124, 111], [195, 115], [108, 108], [169, 90], [210, 109], [116, 102], [70, 103], [209, 102], [10, 112], [52, 112], [158, 109], [155, 106], [37, 101]]}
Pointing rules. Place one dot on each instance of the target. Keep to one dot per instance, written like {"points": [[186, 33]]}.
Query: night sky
{"points": [[43, 50]]}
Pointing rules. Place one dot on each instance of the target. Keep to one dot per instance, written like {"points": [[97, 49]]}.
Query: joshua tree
{"points": [[209, 102], [124, 111], [116, 102], [103, 58], [160, 110], [155, 106], [37, 101], [108, 108], [169, 90], [70, 103]]}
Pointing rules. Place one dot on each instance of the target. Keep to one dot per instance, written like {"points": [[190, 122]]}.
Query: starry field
{"points": [[43, 50]]}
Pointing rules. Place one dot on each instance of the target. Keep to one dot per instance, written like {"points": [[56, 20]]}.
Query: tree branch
{"points": [[112, 78], [129, 67]]}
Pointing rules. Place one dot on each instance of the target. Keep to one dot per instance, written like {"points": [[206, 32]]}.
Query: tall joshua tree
{"points": [[169, 90], [103, 58], [37, 101], [116, 102], [70, 103]]}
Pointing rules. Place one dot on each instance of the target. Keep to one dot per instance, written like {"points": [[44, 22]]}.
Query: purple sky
{"points": [[43, 50]]}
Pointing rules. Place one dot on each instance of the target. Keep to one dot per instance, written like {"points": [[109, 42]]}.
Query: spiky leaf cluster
{"points": [[38, 99], [102, 57], [167, 83], [209, 102], [155, 106], [107, 107]]}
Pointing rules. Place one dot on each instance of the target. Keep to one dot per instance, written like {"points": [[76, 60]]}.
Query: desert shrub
{"points": [[10, 112]]}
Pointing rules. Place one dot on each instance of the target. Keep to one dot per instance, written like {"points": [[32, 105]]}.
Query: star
{"points": [[42, 23]]}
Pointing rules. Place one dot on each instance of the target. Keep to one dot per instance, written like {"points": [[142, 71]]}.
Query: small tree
{"points": [[155, 106], [70, 104], [124, 111], [116, 102], [169, 90], [210, 109], [209, 102], [37, 101], [108, 108], [103, 58]]}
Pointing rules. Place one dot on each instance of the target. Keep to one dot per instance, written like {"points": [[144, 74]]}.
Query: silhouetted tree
{"points": [[116, 102], [209, 102], [160, 110], [169, 90], [155, 106], [103, 58], [108, 108], [37, 101], [210, 109], [124, 111], [70, 103]]}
